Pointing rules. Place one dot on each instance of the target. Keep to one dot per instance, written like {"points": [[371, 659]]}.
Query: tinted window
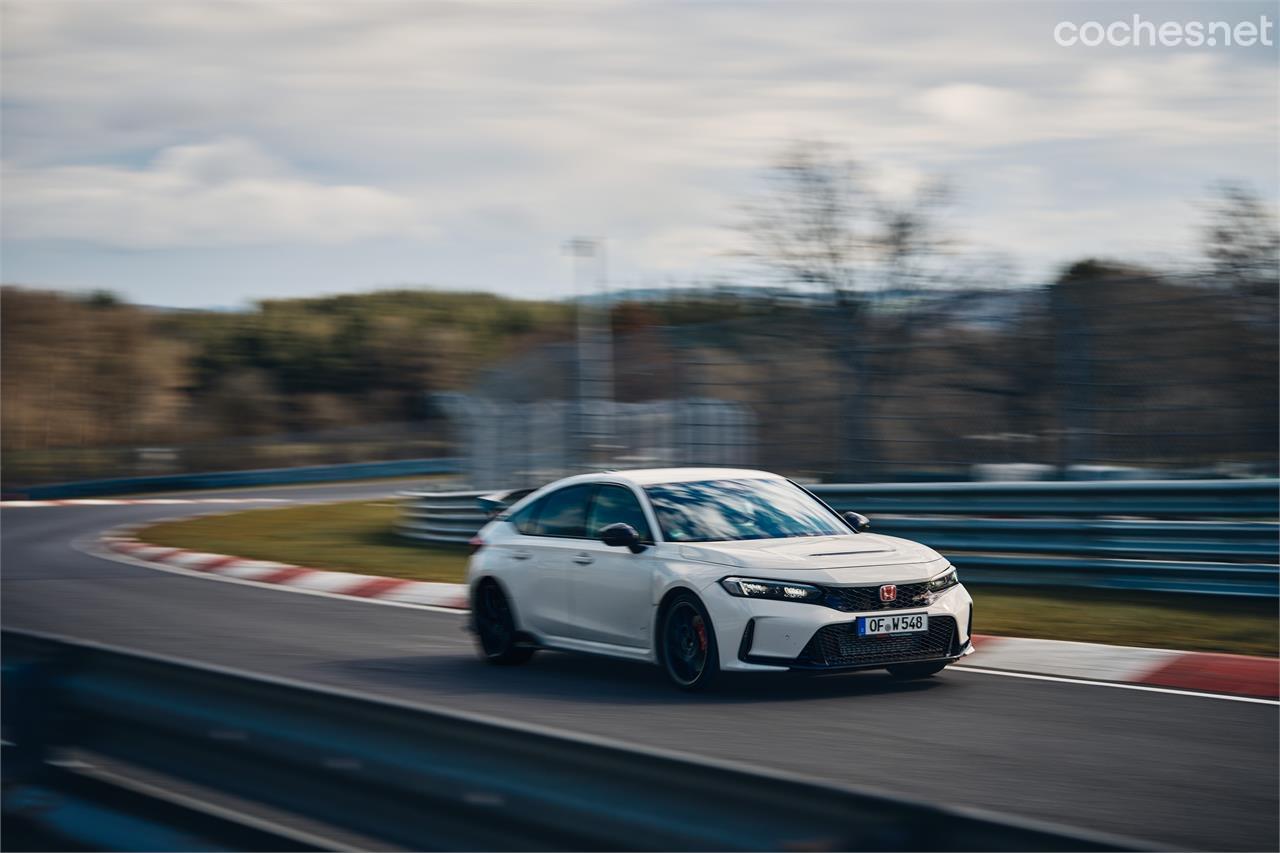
{"points": [[526, 520], [564, 513], [719, 510], [614, 505]]}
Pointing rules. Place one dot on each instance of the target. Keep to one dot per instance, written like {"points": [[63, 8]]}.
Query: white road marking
{"points": [[1146, 688]]}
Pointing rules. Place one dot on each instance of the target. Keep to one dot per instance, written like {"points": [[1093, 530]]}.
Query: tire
{"points": [[907, 671], [495, 627], [687, 649]]}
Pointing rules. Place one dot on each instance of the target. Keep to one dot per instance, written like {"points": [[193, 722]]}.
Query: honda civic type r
{"points": [[703, 570]]}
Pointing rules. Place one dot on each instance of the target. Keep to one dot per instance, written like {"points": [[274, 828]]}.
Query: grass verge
{"points": [[1245, 626], [350, 537], [358, 537]]}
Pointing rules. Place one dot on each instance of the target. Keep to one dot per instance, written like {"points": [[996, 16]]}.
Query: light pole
{"points": [[594, 404]]}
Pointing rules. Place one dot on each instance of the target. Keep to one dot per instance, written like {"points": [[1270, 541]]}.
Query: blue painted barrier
{"points": [[241, 479]]}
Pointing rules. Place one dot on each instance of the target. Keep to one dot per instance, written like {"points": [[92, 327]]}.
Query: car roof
{"points": [[651, 476]]}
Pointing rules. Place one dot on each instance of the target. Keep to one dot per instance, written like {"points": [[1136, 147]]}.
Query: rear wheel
{"points": [[496, 627], [915, 670], [688, 650]]}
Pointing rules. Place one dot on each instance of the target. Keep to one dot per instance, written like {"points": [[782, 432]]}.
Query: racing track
{"points": [[1181, 771]]}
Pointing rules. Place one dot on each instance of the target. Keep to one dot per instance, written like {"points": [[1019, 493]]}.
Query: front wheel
{"points": [[907, 671], [496, 627], [688, 649]]}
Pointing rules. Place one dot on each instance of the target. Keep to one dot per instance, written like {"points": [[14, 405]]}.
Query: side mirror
{"points": [[857, 521], [622, 536]]}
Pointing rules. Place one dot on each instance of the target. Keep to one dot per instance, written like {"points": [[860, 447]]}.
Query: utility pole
{"points": [[593, 410]]}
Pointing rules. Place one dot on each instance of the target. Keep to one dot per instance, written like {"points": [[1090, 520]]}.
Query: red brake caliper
{"points": [[701, 628]]}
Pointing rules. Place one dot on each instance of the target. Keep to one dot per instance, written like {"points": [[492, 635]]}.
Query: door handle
{"points": [[520, 555], [583, 559]]}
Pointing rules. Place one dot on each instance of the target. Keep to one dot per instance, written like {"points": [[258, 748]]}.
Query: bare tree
{"points": [[1241, 239], [819, 225], [1242, 245], [809, 226], [908, 236]]}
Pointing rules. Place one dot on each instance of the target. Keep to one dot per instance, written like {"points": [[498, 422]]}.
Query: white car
{"points": [[703, 570]]}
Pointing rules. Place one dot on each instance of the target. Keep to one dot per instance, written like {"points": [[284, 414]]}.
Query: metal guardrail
{"points": [[238, 479], [1149, 535], [432, 779], [452, 517], [1199, 499], [1145, 535]]}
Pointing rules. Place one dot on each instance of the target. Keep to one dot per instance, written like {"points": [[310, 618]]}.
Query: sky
{"points": [[207, 154]]}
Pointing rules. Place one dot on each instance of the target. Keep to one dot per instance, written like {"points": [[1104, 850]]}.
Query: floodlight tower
{"points": [[593, 411]]}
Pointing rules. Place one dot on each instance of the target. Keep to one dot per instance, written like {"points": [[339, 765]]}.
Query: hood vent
{"points": [[849, 553]]}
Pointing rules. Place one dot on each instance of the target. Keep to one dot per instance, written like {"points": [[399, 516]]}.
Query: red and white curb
{"points": [[133, 501], [1202, 672], [450, 595], [1197, 672]]}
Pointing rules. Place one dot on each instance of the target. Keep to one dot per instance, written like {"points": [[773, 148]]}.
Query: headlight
{"points": [[946, 580], [776, 590]]}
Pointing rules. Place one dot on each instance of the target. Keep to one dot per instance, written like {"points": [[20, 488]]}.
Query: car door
{"points": [[611, 589], [555, 536], [519, 561]]}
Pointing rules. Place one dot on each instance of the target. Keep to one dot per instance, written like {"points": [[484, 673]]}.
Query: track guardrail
{"points": [[1212, 537], [434, 779], [1198, 499], [452, 517], [241, 479]]}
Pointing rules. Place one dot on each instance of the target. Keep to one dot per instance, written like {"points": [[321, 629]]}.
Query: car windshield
{"points": [[721, 510]]}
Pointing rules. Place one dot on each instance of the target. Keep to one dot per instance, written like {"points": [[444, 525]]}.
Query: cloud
{"points": [[224, 193], [486, 134], [970, 103]]}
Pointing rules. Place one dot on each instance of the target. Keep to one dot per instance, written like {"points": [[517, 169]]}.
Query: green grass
{"points": [[358, 537], [352, 537], [1205, 623]]}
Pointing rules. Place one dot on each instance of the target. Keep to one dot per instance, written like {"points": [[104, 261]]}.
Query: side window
{"points": [[614, 504], [526, 520], [564, 513]]}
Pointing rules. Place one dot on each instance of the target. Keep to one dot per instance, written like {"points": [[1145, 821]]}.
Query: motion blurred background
{"points": [[903, 252], [848, 243]]}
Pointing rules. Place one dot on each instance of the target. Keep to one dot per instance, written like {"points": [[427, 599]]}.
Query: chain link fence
{"points": [[1124, 377]]}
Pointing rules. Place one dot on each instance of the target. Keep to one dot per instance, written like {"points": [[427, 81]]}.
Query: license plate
{"points": [[898, 623]]}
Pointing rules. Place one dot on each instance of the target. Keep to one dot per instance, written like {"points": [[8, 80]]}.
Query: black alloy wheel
{"points": [[689, 652], [495, 627]]}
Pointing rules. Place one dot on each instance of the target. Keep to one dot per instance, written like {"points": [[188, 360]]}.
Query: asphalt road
{"points": [[1181, 771]]}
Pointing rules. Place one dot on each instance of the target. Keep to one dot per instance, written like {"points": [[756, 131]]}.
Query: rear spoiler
{"points": [[496, 502]]}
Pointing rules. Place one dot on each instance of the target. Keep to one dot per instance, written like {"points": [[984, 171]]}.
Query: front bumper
{"points": [[761, 635]]}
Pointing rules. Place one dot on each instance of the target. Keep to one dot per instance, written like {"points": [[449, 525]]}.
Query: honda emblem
{"points": [[888, 592]]}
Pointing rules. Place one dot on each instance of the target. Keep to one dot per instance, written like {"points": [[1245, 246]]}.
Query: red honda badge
{"points": [[888, 592]]}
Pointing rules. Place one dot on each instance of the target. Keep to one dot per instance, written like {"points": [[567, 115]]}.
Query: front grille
{"points": [[857, 599], [840, 645]]}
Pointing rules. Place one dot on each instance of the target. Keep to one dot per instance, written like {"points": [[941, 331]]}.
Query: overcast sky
{"points": [[206, 154]]}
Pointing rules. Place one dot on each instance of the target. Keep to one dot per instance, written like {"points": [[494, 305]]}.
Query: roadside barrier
{"points": [[1212, 537], [241, 479], [1197, 499], [413, 777], [452, 517]]}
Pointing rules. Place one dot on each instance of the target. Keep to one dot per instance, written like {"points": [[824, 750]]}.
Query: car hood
{"points": [[863, 557]]}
